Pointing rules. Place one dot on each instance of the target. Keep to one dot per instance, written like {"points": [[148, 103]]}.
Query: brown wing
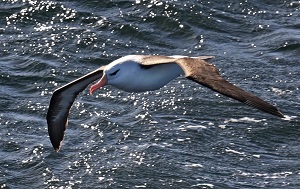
{"points": [[206, 74], [61, 102], [152, 60]]}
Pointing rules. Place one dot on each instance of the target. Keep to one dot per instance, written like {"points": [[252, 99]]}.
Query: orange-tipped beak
{"points": [[99, 84]]}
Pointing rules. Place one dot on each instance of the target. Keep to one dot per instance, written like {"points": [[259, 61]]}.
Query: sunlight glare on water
{"points": [[180, 136]]}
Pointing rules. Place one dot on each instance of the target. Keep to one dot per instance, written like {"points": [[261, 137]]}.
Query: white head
{"points": [[118, 73]]}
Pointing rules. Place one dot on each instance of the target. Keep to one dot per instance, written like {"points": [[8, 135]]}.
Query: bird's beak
{"points": [[99, 84]]}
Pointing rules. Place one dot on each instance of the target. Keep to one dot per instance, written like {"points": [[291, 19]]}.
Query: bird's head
{"points": [[118, 73]]}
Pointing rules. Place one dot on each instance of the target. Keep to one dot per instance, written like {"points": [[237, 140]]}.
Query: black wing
{"points": [[61, 102]]}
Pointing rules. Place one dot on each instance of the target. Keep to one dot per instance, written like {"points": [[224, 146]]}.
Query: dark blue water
{"points": [[181, 136]]}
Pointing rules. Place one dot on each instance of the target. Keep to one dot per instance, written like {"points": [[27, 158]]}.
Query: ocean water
{"points": [[181, 136]]}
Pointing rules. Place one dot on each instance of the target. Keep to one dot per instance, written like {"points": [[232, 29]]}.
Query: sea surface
{"points": [[181, 136]]}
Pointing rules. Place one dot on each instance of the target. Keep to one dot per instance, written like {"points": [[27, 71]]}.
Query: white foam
{"points": [[256, 155], [289, 118], [196, 127], [244, 119], [234, 152], [204, 185], [194, 165]]}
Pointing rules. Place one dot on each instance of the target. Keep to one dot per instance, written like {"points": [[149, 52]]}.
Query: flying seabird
{"points": [[140, 73]]}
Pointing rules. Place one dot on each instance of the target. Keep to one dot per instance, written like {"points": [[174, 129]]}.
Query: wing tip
{"points": [[56, 143], [279, 114], [57, 148], [265, 107], [56, 138]]}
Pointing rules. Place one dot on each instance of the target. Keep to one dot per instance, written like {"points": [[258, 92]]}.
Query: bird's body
{"points": [[132, 76], [140, 73]]}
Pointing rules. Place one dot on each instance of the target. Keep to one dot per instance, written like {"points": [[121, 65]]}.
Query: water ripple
{"points": [[180, 136]]}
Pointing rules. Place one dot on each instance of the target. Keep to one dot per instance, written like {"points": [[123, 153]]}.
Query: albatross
{"points": [[140, 73]]}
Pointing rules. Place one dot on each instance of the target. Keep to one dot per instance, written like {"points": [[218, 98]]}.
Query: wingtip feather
{"points": [[266, 107], [57, 148]]}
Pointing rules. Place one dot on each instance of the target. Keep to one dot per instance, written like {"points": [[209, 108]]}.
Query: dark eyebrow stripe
{"points": [[114, 73], [146, 67]]}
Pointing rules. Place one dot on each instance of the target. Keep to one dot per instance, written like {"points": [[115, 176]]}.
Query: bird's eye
{"points": [[114, 73]]}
